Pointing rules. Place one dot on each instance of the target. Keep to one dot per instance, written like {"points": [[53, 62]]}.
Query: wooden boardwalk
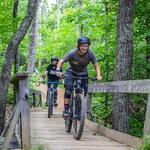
{"points": [[51, 134]]}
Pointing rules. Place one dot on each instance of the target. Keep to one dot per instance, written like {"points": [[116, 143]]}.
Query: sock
{"points": [[66, 106]]}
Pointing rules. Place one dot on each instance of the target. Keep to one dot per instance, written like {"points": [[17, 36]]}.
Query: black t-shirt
{"points": [[52, 72]]}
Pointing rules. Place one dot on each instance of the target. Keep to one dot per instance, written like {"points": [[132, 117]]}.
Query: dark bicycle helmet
{"points": [[83, 40], [55, 58]]}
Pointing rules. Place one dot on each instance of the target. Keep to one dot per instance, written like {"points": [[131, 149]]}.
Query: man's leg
{"points": [[67, 94], [55, 93], [48, 86]]}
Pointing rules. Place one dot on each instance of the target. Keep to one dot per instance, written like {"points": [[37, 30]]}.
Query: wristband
{"points": [[58, 69]]}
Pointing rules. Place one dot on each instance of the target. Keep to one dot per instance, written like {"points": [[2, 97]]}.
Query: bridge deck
{"points": [[51, 134]]}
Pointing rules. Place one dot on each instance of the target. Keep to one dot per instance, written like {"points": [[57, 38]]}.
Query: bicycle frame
{"points": [[76, 90], [51, 90]]}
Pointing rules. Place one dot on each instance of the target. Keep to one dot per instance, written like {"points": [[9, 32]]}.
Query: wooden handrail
{"points": [[36, 103], [130, 86]]}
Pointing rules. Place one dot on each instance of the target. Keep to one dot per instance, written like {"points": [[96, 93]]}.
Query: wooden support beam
{"points": [[25, 122], [12, 127]]}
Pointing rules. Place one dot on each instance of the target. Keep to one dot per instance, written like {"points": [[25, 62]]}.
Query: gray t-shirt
{"points": [[78, 63]]}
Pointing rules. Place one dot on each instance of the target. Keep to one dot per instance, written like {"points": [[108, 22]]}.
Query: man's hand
{"points": [[59, 74], [99, 78]]}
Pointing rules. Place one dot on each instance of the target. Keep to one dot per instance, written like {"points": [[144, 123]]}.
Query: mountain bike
{"points": [[50, 94], [77, 109], [51, 98]]}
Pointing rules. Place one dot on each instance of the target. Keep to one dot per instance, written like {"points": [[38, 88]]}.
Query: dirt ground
{"points": [[60, 99]]}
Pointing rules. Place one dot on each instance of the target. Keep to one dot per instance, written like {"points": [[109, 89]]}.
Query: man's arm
{"points": [[60, 64], [58, 69], [97, 69], [45, 73]]}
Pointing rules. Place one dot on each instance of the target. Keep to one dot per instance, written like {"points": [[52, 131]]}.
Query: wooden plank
{"points": [[12, 127], [147, 118], [51, 134], [25, 122], [130, 86], [115, 135]]}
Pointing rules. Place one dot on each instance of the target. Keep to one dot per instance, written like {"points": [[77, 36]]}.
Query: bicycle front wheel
{"points": [[79, 116], [50, 105], [68, 121]]}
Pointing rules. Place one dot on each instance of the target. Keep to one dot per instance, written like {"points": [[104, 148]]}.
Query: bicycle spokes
{"points": [[79, 116]]}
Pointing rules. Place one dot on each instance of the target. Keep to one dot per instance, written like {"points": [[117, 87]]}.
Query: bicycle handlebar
{"points": [[75, 77]]}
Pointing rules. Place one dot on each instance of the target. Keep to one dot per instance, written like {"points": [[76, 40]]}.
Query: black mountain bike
{"points": [[77, 109], [51, 98]]}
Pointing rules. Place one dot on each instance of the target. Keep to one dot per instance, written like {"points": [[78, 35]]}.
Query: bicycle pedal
{"points": [[65, 117], [55, 104]]}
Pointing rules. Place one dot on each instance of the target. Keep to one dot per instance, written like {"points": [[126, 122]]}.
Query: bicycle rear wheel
{"points": [[79, 116], [68, 121], [50, 104]]}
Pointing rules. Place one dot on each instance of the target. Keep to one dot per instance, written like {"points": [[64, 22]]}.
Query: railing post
{"points": [[34, 100], [147, 118], [40, 99], [20, 81], [88, 102]]}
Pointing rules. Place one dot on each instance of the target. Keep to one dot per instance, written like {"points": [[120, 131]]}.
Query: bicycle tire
{"points": [[78, 124], [68, 121], [50, 105]]}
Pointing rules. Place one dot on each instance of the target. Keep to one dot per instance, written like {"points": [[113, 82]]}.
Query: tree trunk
{"points": [[148, 56], [81, 26], [121, 102], [16, 58], [9, 57], [58, 2], [106, 49], [15, 8], [33, 41]]}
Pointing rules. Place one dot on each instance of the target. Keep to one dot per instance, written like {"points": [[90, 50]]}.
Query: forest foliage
{"points": [[58, 35]]}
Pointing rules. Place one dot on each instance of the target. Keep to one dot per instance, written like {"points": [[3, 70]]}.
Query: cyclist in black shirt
{"points": [[51, 76]]}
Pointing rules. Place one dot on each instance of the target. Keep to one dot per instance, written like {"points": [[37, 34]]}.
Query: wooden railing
{"points": [[36, 99], [130, 86], [20, 117]]}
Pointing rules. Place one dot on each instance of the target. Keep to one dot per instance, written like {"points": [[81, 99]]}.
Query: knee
{"points": [[67, 93]]}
